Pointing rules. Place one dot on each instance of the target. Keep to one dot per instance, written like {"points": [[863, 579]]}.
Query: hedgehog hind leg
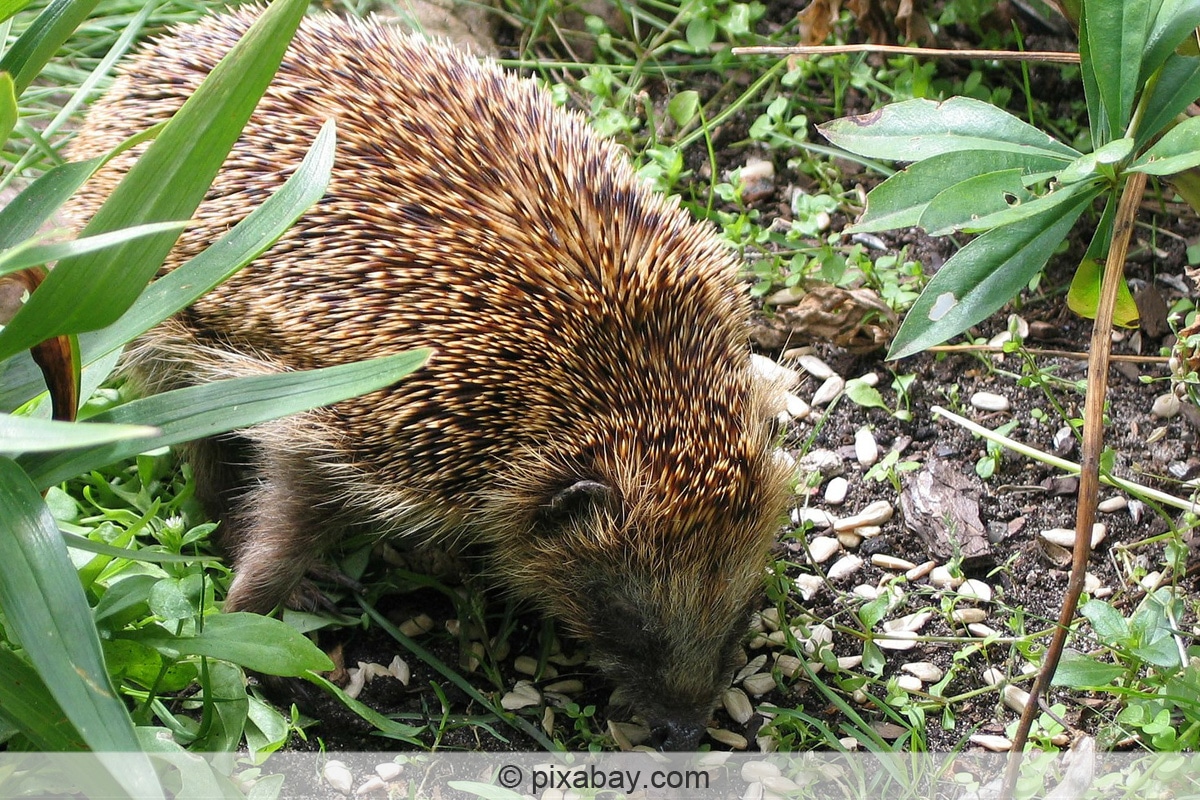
{"points": [[286, 521]]}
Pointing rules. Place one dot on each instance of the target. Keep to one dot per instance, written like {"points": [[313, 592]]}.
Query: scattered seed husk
{"points": [[849, 539], [548, 721], [371, 784], [817, 517], [780, 785], [753, 771], [866, 591], [809, 585], [866, 449], [875, 513], [997, 744], [338, 776], [925, 670], [815, 367], [774, 371], [940, 577], [981, 631], [1065, 537], [844, 567], [358, 680], [795, 406], [728, 738], [758, 684], [866, 531], [884, 561], [823, 462], [568, 686], [1091, 583], [828, 390], [849, 662], [1151, 580], [389, 770], [899, 640], [822, 548], [909, 683], [788, 665], [910, 622], [1165, 406], [398, 669], [737, 705], [523, 695], [836, 490], [920, 571], [770, 618], [967, 616], [989, 401], [1110, 504], [415, 626], [752, 667], [974, 589]]}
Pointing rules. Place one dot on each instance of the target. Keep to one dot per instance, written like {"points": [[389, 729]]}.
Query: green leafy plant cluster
{"points": [[980, 170], [91, 620]]}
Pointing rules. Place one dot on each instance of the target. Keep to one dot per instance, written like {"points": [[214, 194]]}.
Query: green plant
{"points": [[978, 169], [152, 605]]}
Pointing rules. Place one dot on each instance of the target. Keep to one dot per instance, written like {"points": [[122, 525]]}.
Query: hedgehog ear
{"points": [[574, 500]]}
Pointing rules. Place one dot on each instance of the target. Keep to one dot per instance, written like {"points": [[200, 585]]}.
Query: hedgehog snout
{"points": [[675, 735]]}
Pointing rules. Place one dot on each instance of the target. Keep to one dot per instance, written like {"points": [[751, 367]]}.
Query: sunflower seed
{"points": [[737, 705]]}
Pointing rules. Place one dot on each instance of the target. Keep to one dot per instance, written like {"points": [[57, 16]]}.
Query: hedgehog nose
{"points": [[673, 735]]}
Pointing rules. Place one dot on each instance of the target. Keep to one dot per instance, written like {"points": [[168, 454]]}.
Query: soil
{"points": [[1022, 498]]}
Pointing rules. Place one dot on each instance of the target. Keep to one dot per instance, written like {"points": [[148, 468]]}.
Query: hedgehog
{"points": [[590, 423]]}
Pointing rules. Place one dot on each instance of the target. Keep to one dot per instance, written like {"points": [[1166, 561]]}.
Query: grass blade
{"points": [[248, 239], [221, 406], [38, 44], [167, 182], [26, 703], [29, 435], [46, 612]]}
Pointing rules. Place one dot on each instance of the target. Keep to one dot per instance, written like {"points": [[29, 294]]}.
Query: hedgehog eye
{"points": [[575, 500]]}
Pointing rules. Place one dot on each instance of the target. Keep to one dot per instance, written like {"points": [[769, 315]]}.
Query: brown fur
{"points": [[590, 419]]}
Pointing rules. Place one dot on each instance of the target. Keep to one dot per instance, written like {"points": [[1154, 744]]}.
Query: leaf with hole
{"points": [[980, 278], [900, 200]]}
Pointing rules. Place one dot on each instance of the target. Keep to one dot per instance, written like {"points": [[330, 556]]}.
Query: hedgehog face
{"points": [[663, 599]]}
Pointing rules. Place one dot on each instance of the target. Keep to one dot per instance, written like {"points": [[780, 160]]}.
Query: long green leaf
{"points": [[1177, 150], [248, 239], [1033, 208], [982, 277], [26, 703], [976, 197], [28, 435], [47, 613], [1177, 87], [8, 8], [21, 218], [256, 642], [917, 129], [1175, 21], [200, 411], [1115, 39], [900, 200], [167, 182], [32, 254], [8, 106], [38, 44], [20, 380]]}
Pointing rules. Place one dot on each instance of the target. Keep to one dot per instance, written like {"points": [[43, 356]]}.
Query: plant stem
{"points": [[1089, 467], [1065, 465]]}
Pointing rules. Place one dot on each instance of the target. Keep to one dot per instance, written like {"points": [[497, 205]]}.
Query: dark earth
{"points": [[1021, 498]]}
